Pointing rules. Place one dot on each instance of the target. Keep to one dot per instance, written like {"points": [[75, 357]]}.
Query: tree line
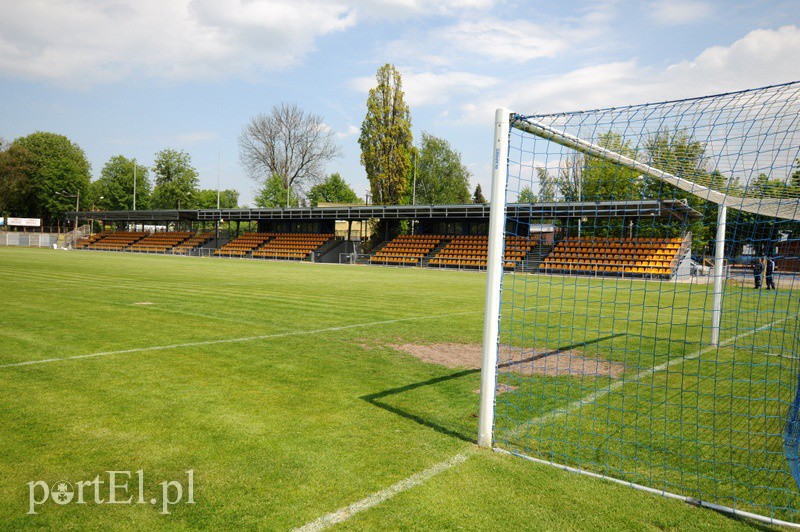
{"points": [[588, 179], [286, 152], [42, 175], [45, 175]]}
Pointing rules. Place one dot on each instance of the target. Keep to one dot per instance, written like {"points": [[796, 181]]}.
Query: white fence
{"points": [[32, 240]]}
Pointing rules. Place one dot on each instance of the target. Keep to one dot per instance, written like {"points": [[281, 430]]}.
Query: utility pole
{"points": [[77, 208], [216, 222], [134, 184]]}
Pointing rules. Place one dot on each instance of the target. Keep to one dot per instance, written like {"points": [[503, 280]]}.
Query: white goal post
{"points": [[615, 357]]}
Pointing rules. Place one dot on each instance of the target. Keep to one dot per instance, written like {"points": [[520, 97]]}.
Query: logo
{"points": [[116, 487], [62, 492]]}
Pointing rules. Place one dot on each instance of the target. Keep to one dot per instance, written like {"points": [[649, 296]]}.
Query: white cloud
{"points": [[83, 42], [430, 88], [350, 132], [88, 41], [196, 136], [517, 41], [762, 57], [679, 12], [392, 9]]}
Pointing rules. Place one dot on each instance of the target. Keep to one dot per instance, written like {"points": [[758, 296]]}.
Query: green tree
{"points": [[547, 185], [794, 181], [585, 178], [49, 172], [442, 179], [272, 194], [114, 189], [207, 199], [333, 190], [603, 180], [16, 187], [682, 156], [477, 196], [176, 180], [764, 187], [386, 140], [570, 177], [526, 195]]}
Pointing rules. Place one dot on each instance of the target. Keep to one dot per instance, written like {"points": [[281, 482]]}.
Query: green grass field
{"points": [[707, 424], [277, 385]]}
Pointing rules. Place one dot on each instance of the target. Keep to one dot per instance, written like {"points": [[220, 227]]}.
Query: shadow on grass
{"points": [[375, 398]]}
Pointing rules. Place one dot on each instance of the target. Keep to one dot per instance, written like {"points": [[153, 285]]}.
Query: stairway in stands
{"points": [[435, 251], [536, 256]]}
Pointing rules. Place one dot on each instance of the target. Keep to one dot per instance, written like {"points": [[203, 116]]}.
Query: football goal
{"points": [[655, 341]]}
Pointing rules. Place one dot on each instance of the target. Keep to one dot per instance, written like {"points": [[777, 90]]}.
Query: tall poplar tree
{"points": [[386, 141]]}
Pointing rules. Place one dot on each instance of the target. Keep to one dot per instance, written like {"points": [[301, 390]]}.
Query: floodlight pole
{"points": [[77, 197], [77, 208], [719, 258], [414, 189], [134, 184], [219, 216], [494, 278]]}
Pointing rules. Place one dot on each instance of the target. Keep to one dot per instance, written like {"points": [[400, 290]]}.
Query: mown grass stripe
{"points": [[602, 392], [234, 340]]}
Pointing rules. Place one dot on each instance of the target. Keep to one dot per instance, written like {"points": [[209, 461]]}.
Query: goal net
{"points": [[650, 336]]}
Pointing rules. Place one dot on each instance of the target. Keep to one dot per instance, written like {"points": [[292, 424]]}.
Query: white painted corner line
{"points": [[232, 340], [345, 513]]}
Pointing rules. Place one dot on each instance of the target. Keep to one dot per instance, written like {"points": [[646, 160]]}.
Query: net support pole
{"points": [[719, 258], [494, 278]]}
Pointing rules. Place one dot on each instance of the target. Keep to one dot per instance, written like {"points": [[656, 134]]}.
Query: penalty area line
{"points": [[233, 340], [345, 513]]}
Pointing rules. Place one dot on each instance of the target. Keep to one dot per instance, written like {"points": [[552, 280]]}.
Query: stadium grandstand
{"points": [[545, 237]]}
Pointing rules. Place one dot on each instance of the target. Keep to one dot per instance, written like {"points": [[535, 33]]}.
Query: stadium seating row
{"points": [[117, 241], [139, 241], [243, 245], [406, 249], [193, 242], [160, 242], [85, 242], [639, 256], [471, 251], [296, 246]]}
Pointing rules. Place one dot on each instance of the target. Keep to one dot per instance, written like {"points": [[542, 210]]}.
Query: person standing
{"points": [[758, 269], [769, 271]]}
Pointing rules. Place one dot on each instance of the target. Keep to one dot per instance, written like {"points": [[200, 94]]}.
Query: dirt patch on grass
{"points": [[525, 362], [448, 355]]}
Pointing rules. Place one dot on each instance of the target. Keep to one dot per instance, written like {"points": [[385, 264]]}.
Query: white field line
{"points": [[345, 513], [602, 392], [233, 340]]}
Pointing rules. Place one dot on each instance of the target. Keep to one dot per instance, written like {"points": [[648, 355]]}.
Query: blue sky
{"points": [[132, 77]]}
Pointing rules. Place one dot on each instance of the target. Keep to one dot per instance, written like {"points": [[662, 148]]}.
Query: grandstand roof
{"points": [[599, 209]]}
